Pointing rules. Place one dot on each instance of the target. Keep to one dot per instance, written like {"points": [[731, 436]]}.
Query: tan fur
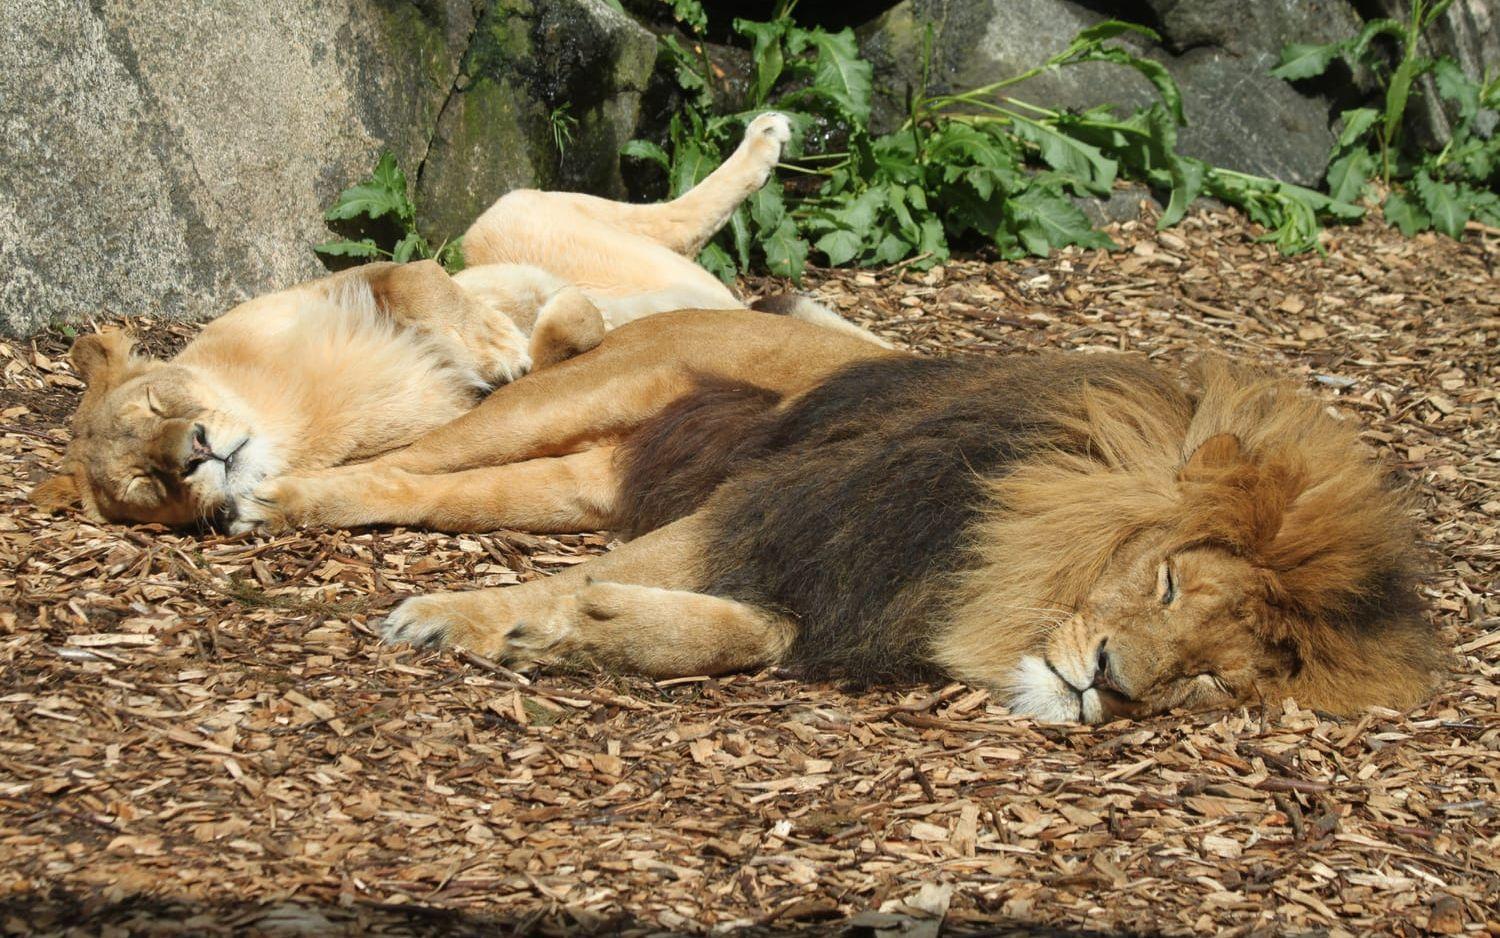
{"points": [[1265, 549], [522, 458], [367, 360]]}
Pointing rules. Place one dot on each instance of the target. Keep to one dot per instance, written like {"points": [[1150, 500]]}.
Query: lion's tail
{"points": [[800, 307]]}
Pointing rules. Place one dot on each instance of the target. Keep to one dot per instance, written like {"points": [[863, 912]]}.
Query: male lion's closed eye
{"points": [[1166, 583]]}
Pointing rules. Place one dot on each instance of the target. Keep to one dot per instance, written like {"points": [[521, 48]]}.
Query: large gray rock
{"points": [[547, 94], [175, 158], [1219, 51]]}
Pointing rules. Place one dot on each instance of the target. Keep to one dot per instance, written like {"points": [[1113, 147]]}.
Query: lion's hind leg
{"points": [[634, 609], [661, 633]]}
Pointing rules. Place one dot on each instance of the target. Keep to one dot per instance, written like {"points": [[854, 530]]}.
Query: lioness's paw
{"points": [[764, 138], [501, 351], [273, 506], [771, 125]]}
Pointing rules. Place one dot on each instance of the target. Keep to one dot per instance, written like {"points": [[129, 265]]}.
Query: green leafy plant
{"points": [[383, 198], [1423, 189], [974, 166], [563, 123]]}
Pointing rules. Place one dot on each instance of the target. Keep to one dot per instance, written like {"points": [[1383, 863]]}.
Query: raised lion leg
{"points": [[635, 608], [549, 228]]}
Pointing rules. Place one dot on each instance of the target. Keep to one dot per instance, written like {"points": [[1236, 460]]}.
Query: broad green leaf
{"points": [[1443, 202], [1304, 60], [365, 248], [692, 166], [840, 75], [859, 214], [691, 14], [786, 252], [1086, 164], [768, 207], [891, 249], [1457, 87], [766, 39], [646, 150], [1357, 123], [1406, 213], [413, 245], [1053, 220], [1486, 207], [933, 241], [1109, 29], [717, 261], [1155, 72], [1397, 91], [1187, 182], [840, 246], [1359, 46], [384, 193], [1348, 175], [739, 228]]}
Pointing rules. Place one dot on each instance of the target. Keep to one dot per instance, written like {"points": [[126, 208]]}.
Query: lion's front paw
{"points": [[275, 505], [481, 621], [424, 621]]}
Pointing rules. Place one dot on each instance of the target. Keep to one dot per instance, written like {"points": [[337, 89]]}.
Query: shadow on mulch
{"points": [[62, 913]]}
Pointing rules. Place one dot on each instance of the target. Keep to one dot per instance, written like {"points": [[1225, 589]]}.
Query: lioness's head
{"points": [[1273, 562], [153, 441]]}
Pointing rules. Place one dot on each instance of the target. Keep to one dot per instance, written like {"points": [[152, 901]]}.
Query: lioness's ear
{"points": [[1215, 454], [57, 493], [102, 360]]}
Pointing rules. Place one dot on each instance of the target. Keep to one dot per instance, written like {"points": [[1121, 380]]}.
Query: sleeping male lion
{"points": [[368, 360], [1083, 534]]}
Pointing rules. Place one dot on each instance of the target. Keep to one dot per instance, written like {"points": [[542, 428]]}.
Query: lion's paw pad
{"points": [[773, 125]]}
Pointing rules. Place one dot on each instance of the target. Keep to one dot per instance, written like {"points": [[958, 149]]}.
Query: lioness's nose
{"points": [[199, 452]]}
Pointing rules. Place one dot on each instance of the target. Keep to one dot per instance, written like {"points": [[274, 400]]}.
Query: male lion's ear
{"points": [[57, 493], [1214, 455], [102, 359]]}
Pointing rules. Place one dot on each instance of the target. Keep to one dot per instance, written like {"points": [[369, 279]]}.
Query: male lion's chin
{"points": [[1034, 690]]}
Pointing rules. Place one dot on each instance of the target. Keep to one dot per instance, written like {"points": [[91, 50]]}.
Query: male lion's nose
{"points": [[1103, 675]]}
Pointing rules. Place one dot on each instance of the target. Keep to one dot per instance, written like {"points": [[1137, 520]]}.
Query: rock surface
{"points": [[546, 96], [173, 159], [1220, 52]]}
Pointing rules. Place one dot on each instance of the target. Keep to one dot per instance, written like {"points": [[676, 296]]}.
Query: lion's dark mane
{"points": [[847, 508]]}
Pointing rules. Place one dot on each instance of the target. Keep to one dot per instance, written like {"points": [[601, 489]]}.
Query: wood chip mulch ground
{"points": [[199, 735]]}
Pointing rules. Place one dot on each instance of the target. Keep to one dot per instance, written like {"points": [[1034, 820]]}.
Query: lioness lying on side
{"points": [[367, 360], [1083, 534]]}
